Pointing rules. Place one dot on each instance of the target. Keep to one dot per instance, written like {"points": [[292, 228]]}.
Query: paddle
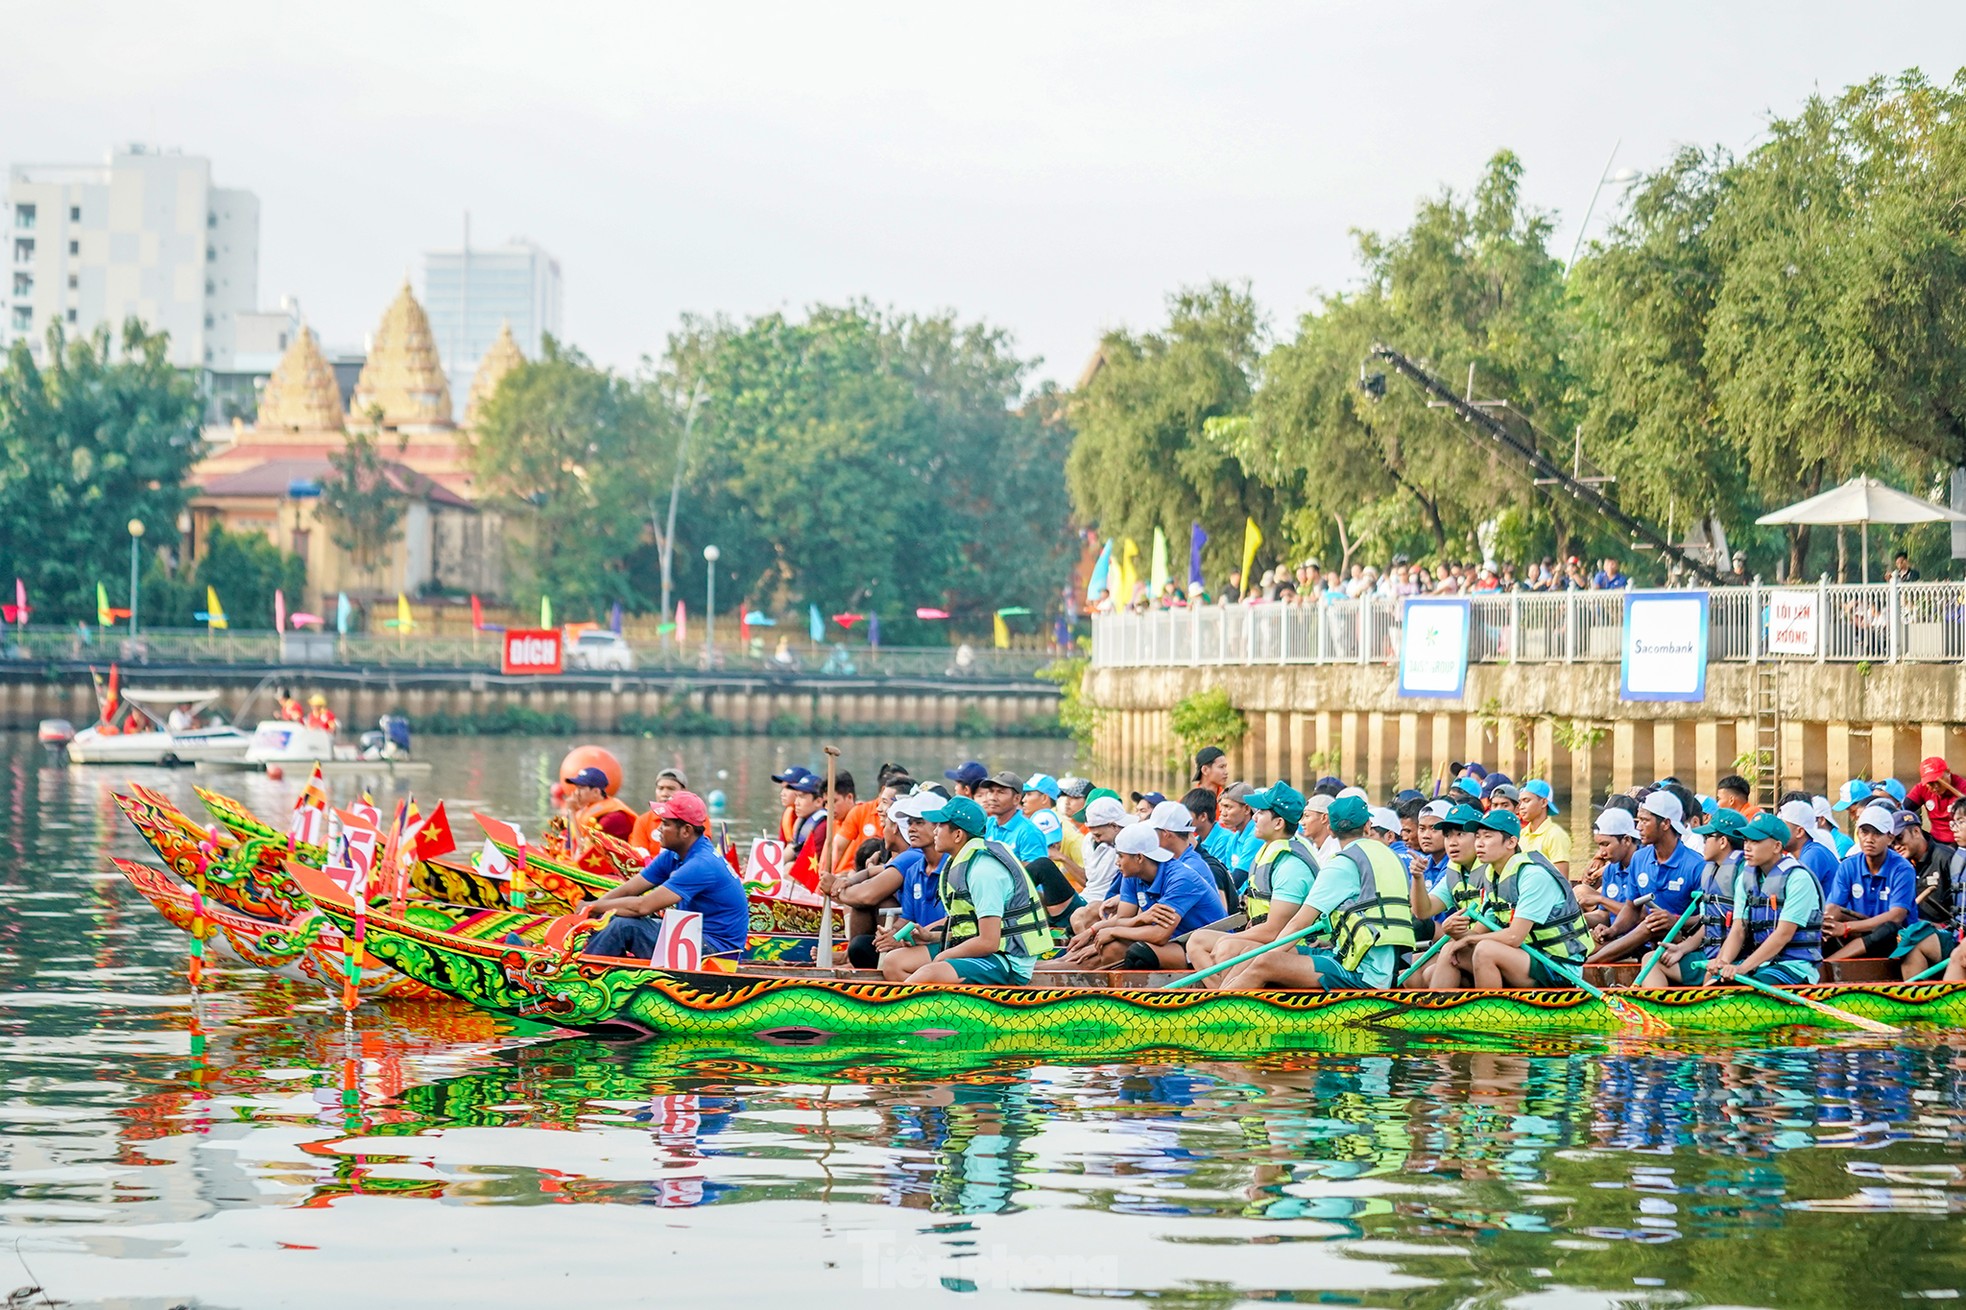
{"points": [[1421, 963], [1827, 1011], [1652, 961], [824, 954], [1246, 956], [1626, 1012], [1938, 968]]}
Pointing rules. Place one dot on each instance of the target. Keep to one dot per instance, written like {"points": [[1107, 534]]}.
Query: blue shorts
{"points": [[983, 970], [1776, 973], [1335, 976]]}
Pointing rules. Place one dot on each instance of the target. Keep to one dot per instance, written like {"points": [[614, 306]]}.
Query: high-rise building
{"points": [[145, 235], [472, 293]]}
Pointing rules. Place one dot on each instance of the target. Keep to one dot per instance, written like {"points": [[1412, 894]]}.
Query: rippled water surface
{"points": [[438, 1157]]}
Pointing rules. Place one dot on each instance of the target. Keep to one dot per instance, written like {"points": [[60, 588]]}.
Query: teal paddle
{"points": [[1653, 960], [1626, 1012], [1421, 963], [1938, 968], [1810, 1003], [1246, 956]]}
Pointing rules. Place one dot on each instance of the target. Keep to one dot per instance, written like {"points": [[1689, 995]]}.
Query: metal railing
{"points": [[1885, 622]]}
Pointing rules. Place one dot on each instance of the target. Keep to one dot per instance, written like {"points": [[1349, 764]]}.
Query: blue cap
{"points": [[1467, 787], [961, 812], [810, 783], [792, 774], [1537, 787], [589, 777], [1854, 792], [1494, 780], [968, 774], [1896, 788], [1042, 782], [1336, 784], [1476, 768]]}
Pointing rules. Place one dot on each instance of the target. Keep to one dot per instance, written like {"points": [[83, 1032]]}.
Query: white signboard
{"points": [[1433, 648], [1665, 646], [1793, 622]]}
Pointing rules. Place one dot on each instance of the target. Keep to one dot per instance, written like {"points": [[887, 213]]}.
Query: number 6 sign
{"points": [[681, 944]]}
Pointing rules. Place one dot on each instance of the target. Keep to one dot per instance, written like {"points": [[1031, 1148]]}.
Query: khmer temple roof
{"points": [[301, 395], [403, 375], [500, 358]]}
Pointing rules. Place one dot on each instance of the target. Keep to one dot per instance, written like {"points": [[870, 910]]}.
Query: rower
{"points": [[1685, 961], [1442, 892], [588, 802], [1798, 811], [808, 843], [1360, 896], [1279, 881], [1233, 815], [689, 875], [998, 794], [1776, 934], [1606, 891], [1165, 892], [916, 870], [642, 835], [1665, 872], [319, 715], [788, 816], [1535, 907], [1940, 872], [1200, 803], [995, 928], [1872, 900], [1104, 816], [966, 777], [1037, 800]]}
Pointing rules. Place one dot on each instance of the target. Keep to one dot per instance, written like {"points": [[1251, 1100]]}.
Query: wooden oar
{"points": [[1626, 1012], [824, 952], [1246, 956], [1652, 961], [1827, 1011]]}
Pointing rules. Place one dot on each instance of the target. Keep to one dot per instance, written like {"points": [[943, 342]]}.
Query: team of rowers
{"points": [[979, 878]]}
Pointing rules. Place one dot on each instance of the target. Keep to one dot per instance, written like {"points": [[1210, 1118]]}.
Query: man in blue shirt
{"points": [[1798, 811], [1606, 888], [1163, 895], [999, 794], [1665, 866], [1874, 896], [692, 877], [1233, 815]]}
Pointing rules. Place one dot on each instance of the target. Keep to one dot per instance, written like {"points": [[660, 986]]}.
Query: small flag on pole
{"points": [[405, 621], [545, 611], [279, 610], [341, 613], [1101, 572], [1001, 630], [1252, 537], [682, 624], [214, 615], [1197, 538]]}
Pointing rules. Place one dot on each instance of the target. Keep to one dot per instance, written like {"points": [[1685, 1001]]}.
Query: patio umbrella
{"points": [[1861, 502]]}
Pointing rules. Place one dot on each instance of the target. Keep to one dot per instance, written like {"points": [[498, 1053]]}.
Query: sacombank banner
{"points": [[1433, 647], [1665, 646]]}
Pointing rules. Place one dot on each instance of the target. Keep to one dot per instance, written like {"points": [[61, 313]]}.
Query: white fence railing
{"points": [[1885, 622]]}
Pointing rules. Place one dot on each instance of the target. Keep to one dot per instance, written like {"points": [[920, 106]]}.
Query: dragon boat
{"points": [[554, 983]]}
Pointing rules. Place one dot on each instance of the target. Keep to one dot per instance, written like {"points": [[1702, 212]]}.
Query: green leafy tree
{"points": [[363, 502], [101, 435], [243, 567]]}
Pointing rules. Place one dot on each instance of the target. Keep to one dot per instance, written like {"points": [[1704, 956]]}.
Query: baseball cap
{"points": [[1436, 810], [1800, 814], [1206, 756], [589, 777], [1896, 788], [1932, 768], [1615, 822], [1171, 816], [1467, 786], [1503, 792], [1349, 813], [1538, 787], [1501, 821], [1151, 797], [1876, 816], [1008, 779], [683, 807], [1724, 823], [963, 813], [967, 774], [1906, 820], [681, 778], [1821, 805], [913, 805], [1357, 793], [1765, 827], [1315, 803], [1074, 786], [1330, 783], [1854, 792], [1238, 791], [1382, 818], [1494, 780], [1139, 839], [1476, 768], [809, 784], [1282, 800], [792, 774], [1406, 794], [1101, 810], [1465, 818], [1665, 805], [1043, 782]]}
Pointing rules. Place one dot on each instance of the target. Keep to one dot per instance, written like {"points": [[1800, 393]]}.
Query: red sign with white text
{"points": [[530, 650]]}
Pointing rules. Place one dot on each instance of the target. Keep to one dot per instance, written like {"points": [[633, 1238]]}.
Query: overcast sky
{"points": [[1055, 169]]}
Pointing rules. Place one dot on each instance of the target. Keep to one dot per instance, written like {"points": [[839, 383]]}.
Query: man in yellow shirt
{"points": [[1541, 834]]}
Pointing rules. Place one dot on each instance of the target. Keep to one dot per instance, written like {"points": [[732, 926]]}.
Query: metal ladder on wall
{"points": [[1767, 733]]}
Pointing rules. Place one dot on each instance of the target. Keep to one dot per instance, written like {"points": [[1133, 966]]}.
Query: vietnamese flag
{"points": [[434, 836]]}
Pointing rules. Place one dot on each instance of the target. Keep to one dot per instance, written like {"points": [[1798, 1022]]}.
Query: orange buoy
{"points": [[275, 772], [582, 757]]}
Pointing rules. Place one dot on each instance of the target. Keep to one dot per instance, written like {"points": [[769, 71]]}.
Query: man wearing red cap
{"points": [[687, 874], [1938, 787]]}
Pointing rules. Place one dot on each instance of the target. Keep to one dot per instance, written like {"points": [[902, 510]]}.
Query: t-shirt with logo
{"points": [[1672, 881]]}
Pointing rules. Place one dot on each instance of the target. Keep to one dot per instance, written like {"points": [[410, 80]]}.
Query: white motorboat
{"points": [[282, 741], [142, 730]]}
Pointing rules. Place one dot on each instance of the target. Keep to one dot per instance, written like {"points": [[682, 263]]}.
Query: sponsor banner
{"points": [[1665, 646], [1794, 625], [532, 650], [1433, 647]]}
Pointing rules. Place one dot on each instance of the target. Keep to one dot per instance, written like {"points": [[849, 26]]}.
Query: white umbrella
{"points": [[1861, 502]]}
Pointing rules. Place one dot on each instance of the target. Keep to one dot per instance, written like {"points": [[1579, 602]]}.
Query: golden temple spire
{"points": [[403, 376], [301, 395], [500, 358]]}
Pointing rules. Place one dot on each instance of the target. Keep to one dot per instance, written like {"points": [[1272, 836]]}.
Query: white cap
{"points": [[1103, 810], [1140, 839], [1382, 818], [1822, 807], [1615, 822], [1876, 816], [1436, 809], [1358, 792], [1319, 803], [1797, 814], [1171, 816], [1666, 806], [913, 805]]}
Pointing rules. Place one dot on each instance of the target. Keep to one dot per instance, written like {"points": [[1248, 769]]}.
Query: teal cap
{"points": [[967, 815], [1501, 821], [1537, 787], [1349, 814], [1766, 827], [1465, 817], [1280, 799], [1725, 823]]}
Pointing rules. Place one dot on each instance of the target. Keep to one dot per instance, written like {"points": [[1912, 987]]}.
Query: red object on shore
{"points": [[532, 650]]}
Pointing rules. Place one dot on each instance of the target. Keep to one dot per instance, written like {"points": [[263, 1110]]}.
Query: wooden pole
{"points": [[826, 903]]}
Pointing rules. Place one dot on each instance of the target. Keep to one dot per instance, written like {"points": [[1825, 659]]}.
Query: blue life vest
{"points": [[1767, 893], [1717, 900]]}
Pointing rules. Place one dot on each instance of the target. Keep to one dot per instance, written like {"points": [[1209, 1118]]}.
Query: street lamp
{"points": [[710, 554], [1624, 177], [136, 535]]}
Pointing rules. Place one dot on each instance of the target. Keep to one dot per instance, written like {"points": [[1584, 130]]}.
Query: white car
{"points": [[600, 650]]}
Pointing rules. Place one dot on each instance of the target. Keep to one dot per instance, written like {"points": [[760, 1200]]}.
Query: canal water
{"points": [[486, 1166]]}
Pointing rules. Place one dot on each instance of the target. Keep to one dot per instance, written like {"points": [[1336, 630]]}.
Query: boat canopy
{"points": [[197, 698]]}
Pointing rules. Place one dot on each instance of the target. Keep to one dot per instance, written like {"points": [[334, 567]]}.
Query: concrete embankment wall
{"points": [[597, 702], [1563, 722]]}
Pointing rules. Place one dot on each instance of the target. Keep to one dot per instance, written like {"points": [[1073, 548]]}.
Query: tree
{"points": [[574, 453], [98, 437], [363, 503], [243, 567]]}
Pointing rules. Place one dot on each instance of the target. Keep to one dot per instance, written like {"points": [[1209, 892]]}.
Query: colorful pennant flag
{"points": [[927, 612], [309, 824], [18, 612], [1157, 574], [1197, 538], [1252, 537], [405, 621], [874, 630], [545, 611], [433, 836], [1101, 573], [1001, 631], [214, 615], [341, 613], [682, 623], [815, 625], [1129, 574], [279, 610]]}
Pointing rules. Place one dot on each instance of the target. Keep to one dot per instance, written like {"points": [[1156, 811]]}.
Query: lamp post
{"points": [[676, 493], [710, 554], [136, 535], [1623, 177]]}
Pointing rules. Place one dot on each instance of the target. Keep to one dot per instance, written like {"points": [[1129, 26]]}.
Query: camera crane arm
{"points": [[1540, 468]]}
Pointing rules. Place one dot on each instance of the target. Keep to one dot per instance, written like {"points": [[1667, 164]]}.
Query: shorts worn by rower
{"points": [[1536, 913], [995, 928]]}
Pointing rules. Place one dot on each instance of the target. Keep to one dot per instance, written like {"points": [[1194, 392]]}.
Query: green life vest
{"points": [[1023, 931], [1382, 912], [1566, 936], [1262, 873], [1469, 885]]}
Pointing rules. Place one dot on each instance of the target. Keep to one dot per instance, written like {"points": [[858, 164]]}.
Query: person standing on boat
{"points": [[689, 875], [1685, 961], [995, 929], [998, 794], [1872, 900], [1360, 897], [1777, 913], [1535, 906], [1280, 880]]}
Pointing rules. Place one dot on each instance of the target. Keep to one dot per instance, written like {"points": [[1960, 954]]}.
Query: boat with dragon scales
{"points": [[554, 983]]}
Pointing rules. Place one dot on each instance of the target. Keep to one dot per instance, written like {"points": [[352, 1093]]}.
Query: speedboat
{"points": [[282, 741], [139, 732]]}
